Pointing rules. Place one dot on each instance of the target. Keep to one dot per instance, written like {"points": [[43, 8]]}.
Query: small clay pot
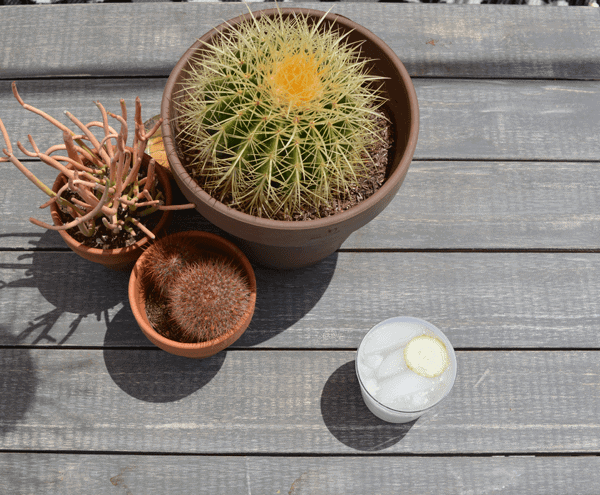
{"points": [[203, 241], [295, 244], [121, 259]]}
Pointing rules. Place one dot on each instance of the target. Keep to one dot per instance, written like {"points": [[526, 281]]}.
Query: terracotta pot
{"points": [[120, 259], [204, 241], [293, 244]]}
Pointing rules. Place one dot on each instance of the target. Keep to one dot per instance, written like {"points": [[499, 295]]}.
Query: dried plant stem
{"points": [[88, 134], [106, 127]]}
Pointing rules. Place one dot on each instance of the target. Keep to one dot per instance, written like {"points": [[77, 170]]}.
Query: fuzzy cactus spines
{"points": [[208, 298], [279, 115], [164, 263]]}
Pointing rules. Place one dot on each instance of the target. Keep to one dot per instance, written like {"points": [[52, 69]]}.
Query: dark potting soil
{"points": [[104, 238]]}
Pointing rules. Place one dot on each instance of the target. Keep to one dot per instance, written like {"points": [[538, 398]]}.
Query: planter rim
{"points": [[138, 307], [269, 223]]}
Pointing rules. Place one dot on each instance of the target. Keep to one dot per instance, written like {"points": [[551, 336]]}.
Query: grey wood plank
{"points": [[460, 119], [41, 474], [441, 205], [489, 205], [485, 300], [55, 96], [508, 120], [266, 402], [147, 39]]}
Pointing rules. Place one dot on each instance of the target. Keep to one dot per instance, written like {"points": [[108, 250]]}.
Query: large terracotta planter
{"points": [[203, 241], [121, 259], [292, 244]]}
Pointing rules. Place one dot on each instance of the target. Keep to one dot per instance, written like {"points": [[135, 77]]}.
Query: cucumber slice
{"points": [[427, 356]]}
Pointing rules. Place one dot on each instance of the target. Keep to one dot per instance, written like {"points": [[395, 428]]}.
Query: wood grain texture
{"points": [[43, 474], [264, 402], [496, 41], [489, 205], [441, 205], [459, 119], [507, 160], [493, 300]]}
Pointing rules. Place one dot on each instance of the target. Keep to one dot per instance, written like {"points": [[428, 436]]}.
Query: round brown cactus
{"points": [[208, 298], [165, 261]]}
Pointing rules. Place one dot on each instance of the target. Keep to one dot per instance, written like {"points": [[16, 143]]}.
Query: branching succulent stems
{"points": [[102, 174]]}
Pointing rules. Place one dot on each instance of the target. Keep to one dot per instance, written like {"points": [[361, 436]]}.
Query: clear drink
{"points": [[405, 366]]}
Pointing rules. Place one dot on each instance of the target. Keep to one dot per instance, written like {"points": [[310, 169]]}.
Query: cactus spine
{"points": [[278, 115], [208, 298], [164, 263], [193, 295]]}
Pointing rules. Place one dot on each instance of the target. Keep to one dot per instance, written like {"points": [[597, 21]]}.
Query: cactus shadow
{"points": [[153, 375], [148, 373], [18, 382], [348, 418], [123, 331], [283, 297], [68, 283]]}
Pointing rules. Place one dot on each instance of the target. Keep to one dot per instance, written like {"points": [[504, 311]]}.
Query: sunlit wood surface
{"points": [[494, 237]]}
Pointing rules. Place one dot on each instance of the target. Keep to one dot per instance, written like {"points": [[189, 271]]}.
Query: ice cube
{"points": [[368, 364], [438, 391], [434, 396], [401, 385], [373, 360], [365, 371], [391, 336], [394, 363], [411, 402]]}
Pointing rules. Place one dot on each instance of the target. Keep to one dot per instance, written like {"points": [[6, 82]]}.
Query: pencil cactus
{"points": [[102, 174], [279, 115]]}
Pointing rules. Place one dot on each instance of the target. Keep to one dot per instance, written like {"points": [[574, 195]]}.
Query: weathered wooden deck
{"points": [[494, 237]]}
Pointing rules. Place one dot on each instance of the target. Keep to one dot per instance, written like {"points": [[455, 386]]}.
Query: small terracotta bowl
{"points": [[204, 241]]}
